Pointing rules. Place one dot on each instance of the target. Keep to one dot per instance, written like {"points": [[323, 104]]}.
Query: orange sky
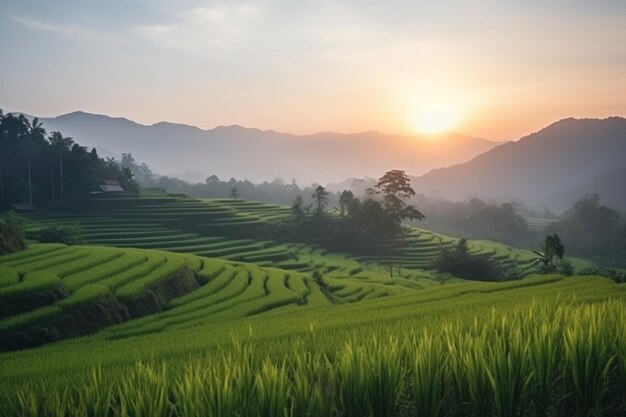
{"points": [[507, 68]]}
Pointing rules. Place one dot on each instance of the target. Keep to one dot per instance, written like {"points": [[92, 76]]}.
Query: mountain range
{"points": [[192, 153], [549, 168], [552, 167]]}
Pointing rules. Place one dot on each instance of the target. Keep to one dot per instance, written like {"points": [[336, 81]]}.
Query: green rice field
{"points": [[178, 320]]}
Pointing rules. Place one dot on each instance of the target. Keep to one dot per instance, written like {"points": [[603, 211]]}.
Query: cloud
{"points": [[203, 29], [73, 32], [39, 25]]}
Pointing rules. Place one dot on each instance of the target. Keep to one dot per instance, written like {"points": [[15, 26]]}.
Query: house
{"points": [[109, 186]]}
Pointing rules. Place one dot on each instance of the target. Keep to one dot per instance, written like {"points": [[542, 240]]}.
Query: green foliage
{"points": [[32, 282], [84, 295], [23, 320], [8, 276], [500, 362], [12, 228], [41, 169], [68, 234], [593, 230], [552, 250], [458, 262], [428, 375]]}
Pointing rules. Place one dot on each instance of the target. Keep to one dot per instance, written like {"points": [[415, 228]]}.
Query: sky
{"points": [[502, 69]]}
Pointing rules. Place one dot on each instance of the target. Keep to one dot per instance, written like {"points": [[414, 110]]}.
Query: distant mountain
{"points": [[235, 151], [611, 186], [566, 155]]}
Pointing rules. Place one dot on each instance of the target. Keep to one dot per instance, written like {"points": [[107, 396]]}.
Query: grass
{"points": [[387, 375], [263, 339]]}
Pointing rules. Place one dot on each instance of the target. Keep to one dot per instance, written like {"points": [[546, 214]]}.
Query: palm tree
{"points": [[60, 146], [35, 135], [3, 151]]}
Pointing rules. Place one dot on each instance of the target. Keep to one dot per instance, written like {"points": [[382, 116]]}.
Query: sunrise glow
{"points": [[437, 118]]}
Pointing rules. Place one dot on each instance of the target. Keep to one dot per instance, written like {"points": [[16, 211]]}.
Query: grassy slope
{"points": [[322, 326], [155, 224]]}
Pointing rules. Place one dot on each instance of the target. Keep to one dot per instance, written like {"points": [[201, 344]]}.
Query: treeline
{"points": [[477, 219], [594, 231], [372, 224], [276, 192], [41, 169]]}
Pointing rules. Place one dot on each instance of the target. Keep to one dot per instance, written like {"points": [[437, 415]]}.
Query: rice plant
{"points": [[352, 381], [588, 358], [385, 376], [427, 361], [273, 390], [508, 367], [144, 391], [545, 354]]}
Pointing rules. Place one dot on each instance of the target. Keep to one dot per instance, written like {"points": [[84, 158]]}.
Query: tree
{"points": [[345, 200], [551, 250], [297, 209], [234, 193], [320, 195], [395, 187], [12, 228], [213, 179], [127, 180], [60, 146], [30, 145]]}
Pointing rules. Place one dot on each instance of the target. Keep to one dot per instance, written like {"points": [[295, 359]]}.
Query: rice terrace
{"points": [[163, 264]]}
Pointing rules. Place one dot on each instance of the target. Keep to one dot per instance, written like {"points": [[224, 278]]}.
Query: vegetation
{"points": [[478, 219], [594, 231], [68, 234], [552, 250], [304, 331], [459, 262], [12, 228], [372, 226], [552, 355], [41, 169]]}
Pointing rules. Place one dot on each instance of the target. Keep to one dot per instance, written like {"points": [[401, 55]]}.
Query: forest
{"points": [[40, 169]]}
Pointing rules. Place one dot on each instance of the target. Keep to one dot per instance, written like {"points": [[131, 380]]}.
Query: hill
{"points": [[254, 332], [234, 151], [611, 186], [565, 155]]}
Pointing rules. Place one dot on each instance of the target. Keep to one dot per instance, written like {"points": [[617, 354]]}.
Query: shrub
{"points": [[458, 262], [12, 229], [68, 234]]}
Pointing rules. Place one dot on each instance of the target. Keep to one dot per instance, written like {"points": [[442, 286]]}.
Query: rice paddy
{"points": [[257, 335]]}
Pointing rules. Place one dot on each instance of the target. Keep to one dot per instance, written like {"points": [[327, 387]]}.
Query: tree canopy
{"points": [[38, 169]]}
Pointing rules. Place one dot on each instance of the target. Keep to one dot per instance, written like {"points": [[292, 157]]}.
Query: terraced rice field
{"points": [[83, 274], [249, 326], [158, 223]]}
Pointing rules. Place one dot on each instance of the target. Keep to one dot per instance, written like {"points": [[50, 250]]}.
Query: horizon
{"points": [[313, 133], [343, 68]]}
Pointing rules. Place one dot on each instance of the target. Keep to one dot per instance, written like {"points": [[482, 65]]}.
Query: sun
{"points": [[435, 118]]}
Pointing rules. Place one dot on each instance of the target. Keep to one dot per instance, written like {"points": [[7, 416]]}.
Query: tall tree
{"points": [[345, 200], [297, 209], [60, 146], [395, 188], [4, 148], [320, 195], [31, 143]]}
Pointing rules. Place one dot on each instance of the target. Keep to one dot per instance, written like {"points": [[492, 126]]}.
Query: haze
{"points": [[506, 68]]}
